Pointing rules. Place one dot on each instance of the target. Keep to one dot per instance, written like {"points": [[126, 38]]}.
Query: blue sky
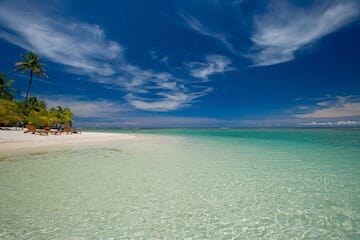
{"points": [[191, 63]]}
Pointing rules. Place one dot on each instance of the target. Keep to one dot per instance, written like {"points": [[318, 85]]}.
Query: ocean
{"points": [[187, 184]]}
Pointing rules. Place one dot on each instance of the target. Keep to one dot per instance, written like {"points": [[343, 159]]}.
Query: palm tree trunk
{"points": [[28, 90]]}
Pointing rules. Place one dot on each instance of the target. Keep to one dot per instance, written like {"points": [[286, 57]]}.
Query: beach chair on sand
{"points": [[68, 130], [33, 130], [52, 131]]}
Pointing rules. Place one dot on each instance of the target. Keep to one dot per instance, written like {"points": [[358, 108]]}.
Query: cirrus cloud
{"points": [[80, 46], [84, 49], [195, 25], [166, 102], [331, 107], [85, 108], [214, 64], [286, 29]]}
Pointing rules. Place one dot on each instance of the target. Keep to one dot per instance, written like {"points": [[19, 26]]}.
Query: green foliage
{"points": [[65, 115], [42, 118], [6, 91], [34, 104], [30, 62], [37, 114], [10, 113], [32, 111]]}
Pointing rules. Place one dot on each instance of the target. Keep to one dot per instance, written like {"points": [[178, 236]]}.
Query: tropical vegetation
{"points": [[33, 110], [6, 91], [30, 62]]}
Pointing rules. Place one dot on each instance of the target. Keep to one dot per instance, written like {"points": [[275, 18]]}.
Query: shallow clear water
{"points": [[194, 184]]}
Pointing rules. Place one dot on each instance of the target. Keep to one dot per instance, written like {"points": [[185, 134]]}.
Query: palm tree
{"points": [[30, 62], [34, 104], [65, 115], [6, 92]]}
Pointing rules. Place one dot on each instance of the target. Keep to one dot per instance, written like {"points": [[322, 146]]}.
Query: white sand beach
{"points": [[17, 140]]}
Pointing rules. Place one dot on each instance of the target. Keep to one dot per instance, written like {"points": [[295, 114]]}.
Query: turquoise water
{"points": [[188, 184]]}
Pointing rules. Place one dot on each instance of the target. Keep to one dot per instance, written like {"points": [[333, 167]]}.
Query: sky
{"points": [[190, 63]]}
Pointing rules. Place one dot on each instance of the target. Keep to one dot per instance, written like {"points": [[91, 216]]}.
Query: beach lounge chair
{"points": [[33, 130], [52, 131], [68, 130]]}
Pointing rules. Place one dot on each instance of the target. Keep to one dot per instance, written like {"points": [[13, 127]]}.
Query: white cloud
{"points": [[81, 46], [84, 108], [166, 102], [286, 29], [344, 110], [110, 113], [195, 25], [134, 77], [214, 64], [84, 49], [336, 107], [158, 91], [338, 123]]}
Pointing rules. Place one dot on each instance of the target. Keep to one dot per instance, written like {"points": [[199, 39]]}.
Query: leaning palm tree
{"points": [[6, 91], [30, 62]]}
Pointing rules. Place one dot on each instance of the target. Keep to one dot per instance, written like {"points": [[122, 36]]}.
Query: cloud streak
{"points": [[338, 123], [337, 107], [195, 25], [80, 46], [214, 64], [167, 101], [105, 113], [84, 108], [85, 50], [286, 29]]}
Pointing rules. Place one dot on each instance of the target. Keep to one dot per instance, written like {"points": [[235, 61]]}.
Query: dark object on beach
{"points": [[33, 130], [52, 131], [68, 130]]}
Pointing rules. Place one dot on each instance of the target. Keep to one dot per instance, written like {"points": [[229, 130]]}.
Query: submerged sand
{"points": [[17, 140]]}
